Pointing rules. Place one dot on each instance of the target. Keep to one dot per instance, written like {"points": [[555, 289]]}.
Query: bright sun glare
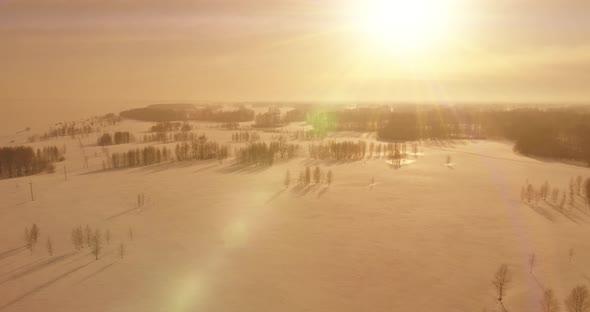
{"points": [[405, 25]]}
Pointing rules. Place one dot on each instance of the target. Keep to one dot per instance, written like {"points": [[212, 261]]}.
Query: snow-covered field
{"points": [[426, 237]]}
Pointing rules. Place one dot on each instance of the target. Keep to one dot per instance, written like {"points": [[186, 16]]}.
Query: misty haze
{"points": [[350, 155]]}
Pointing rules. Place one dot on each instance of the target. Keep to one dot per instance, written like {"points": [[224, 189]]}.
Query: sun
{"points": [[405, 25]]}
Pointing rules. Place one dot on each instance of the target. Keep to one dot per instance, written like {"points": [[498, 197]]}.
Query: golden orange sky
{"points": [[226, 50]]}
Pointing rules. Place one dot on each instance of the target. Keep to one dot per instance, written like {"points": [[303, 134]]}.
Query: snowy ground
{"points": [[425, 237]]}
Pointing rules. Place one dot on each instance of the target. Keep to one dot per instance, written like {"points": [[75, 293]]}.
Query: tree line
{"points": [[550, 132], [269, 119], [119, 137], [264, 154], [201, 149], [245, 136], [560, 198], [209, 113], [24, 160], [308, 175], [345, 150], [350, 150], [84, 127], [138, 157]]}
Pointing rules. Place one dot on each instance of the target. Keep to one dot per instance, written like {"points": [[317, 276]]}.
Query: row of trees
{"points": [[119, 137], [345, 150], [245, 136], [138, 157], [201, 149], [89, 238], [578, 187], [350, 150], [95, 240], [269, 119], [264, 154], [307, 176], [304, 135], [24, 161], [170, 126], [158, 137], [165, 137]]}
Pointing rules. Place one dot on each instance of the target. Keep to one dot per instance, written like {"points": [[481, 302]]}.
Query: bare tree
{"points": [[578, 300], [549, 303], [49, 246], [571, 254], [330, 177], [96, 244], [501, 280], [130, 233], [579, 180], [532, 262]]}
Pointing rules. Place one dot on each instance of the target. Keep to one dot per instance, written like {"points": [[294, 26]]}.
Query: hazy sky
{"points": [[103, 51]]}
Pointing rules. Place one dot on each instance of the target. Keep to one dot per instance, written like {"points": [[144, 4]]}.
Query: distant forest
{"points": [[84, 127], [23, 161], [555, 133], [163, 114]]}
